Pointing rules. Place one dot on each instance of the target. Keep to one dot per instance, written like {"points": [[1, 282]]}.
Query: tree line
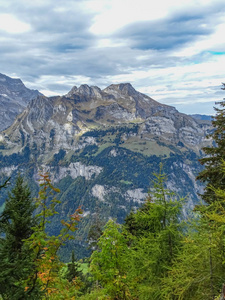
{"points": [[154, 254]]}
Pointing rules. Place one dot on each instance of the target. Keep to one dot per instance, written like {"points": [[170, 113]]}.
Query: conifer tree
{"points": [[110, 263], [198, 269], [16, 224], [157, 236], [213, 174], [73, 269]]}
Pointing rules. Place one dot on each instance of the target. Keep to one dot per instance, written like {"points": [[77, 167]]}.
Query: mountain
{"points": [[101, 148], [14, 97], [202, 118], [60, 122]]}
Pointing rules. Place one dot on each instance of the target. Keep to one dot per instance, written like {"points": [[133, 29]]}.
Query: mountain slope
{"points": [[14, 97]]}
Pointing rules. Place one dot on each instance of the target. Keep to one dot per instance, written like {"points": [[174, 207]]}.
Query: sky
{"points": [[171, 50]]}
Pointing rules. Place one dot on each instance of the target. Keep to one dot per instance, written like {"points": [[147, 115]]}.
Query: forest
{"points": [[155, 254]]}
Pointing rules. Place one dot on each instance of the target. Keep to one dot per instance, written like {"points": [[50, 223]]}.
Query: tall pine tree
{"points": [[16, 224], [213, 174]]}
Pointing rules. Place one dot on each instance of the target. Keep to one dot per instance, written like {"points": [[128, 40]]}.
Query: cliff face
{"points": [[101, 148], [57, 122], [14, 97]]}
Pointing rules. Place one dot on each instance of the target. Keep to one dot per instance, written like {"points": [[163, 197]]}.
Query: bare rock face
{"points": [[117, 90], [14, 97], [86, 92], [56, 122], [74, 170]]}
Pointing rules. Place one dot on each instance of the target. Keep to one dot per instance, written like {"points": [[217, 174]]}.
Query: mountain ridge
{"points": [[87, 107]]}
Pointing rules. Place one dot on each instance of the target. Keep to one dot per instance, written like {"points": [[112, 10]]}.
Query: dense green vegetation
{"points": [[153, 255]]}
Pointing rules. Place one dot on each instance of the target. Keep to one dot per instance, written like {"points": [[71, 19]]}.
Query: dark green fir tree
{"points": [[73, 269], [213, 174], [16, 224]]}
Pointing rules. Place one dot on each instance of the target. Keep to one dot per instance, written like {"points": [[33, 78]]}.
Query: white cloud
{"points": [[212, 42], [106, 43], [11, 24], [114, 14]]}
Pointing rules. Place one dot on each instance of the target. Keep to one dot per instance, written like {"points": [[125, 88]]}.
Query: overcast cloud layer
{"points": [[174, 52]]}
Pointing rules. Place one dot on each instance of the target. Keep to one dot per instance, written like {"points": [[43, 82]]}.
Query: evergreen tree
{"points": [[73, 269], [213, 174], [198, 269], [16, 224], [110, 263], [157, 236]]}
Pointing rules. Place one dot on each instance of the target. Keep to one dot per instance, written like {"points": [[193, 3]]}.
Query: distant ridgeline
{"points": [[202, 117]]}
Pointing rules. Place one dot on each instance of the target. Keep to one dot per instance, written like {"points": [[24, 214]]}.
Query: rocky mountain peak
{"points": [[86, 91], [125, 89], [7, 81], [14, 88], [14, 97], [89, 91], [72, 92], [10, 88]]}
